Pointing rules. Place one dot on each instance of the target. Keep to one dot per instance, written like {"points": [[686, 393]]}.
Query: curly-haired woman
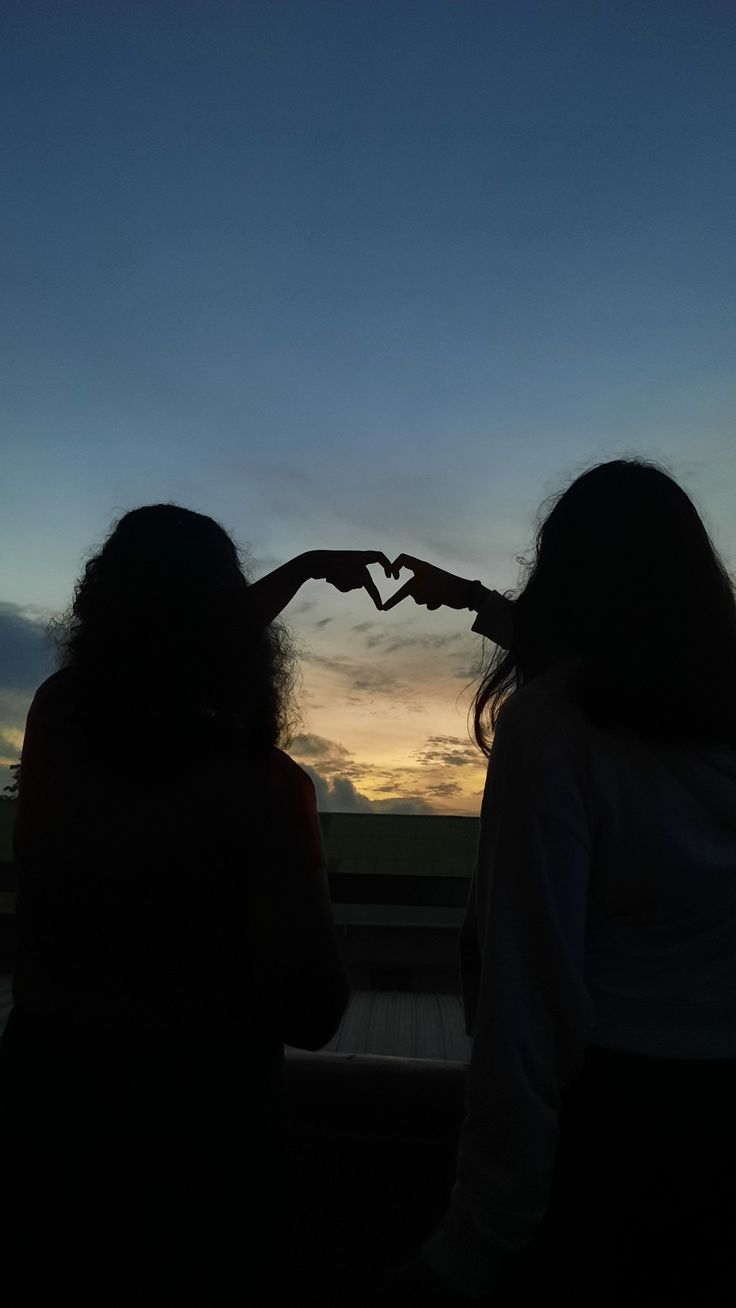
{"points": [[174, 928]]}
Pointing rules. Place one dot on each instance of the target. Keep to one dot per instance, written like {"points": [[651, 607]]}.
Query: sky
{"points": [[372, 275]]}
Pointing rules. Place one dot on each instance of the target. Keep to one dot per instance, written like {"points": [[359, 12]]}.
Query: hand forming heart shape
{"points": [[348, 570], [429, 585]]}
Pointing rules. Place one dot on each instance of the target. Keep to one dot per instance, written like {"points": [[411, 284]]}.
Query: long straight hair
{"points": [[626, 582]]}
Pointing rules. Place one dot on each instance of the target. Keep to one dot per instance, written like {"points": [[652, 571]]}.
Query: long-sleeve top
{"points": [[495, 618], [602, 911]]}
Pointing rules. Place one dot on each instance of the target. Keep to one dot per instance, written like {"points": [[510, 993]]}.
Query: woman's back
{"points": [[133, 884], [158, 975], [602, 935], [644, 861], [661, 938]]}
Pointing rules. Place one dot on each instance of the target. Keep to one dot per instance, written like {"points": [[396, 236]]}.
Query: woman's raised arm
{"points": [[439, 589], [344, 569]]}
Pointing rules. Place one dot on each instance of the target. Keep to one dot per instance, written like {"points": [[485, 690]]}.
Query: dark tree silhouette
{"points": [[11, 790]]}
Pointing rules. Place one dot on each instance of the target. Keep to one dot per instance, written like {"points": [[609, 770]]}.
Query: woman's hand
{"points": [[433, 586], [348, 569]]}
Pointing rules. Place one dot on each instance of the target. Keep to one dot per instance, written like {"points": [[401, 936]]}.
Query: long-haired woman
{"points": [[597, 1161], [174, 929]]}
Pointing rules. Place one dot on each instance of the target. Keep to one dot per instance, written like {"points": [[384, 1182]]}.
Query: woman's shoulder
{"points": [[546, 698], [54, 697], [540, 731], [55, 686], [294, 800], [289, 777]]}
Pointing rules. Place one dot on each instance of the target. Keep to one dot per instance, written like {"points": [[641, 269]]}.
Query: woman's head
{"points": [[160, 629], [626, 581]]}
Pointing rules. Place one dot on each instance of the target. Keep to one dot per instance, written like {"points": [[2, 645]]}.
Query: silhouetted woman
{"points": [[597, 1161], [174, 930]]}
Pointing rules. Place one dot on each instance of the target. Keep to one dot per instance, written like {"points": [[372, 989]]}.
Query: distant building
{"points": [[399, 886]]}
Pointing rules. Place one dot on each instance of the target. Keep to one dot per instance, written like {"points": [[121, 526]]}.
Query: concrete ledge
{"points": [[371, 1151], [367, 1096]]}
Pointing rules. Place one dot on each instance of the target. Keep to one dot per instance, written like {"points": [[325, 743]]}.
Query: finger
{"points": [[377, 556], [406, 589], [370, 586], [406, 561]]}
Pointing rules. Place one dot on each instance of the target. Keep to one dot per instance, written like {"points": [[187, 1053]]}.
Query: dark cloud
{"points": [[323, 622], [397, 645], [26, 653], [337, 778], [448, 751], [308, 745], [337, 795], [393, 643], [359, 675], [14, 706], [464, 672], [329, 756], [411, 804], [9, 745], [363, 626], [26, 659], [443, 788]]}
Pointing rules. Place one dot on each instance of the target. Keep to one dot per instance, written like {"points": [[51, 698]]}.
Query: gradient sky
{"points": [[364, 274]]}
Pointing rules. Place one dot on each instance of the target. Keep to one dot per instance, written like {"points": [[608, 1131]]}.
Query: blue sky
{"points": [[375, 275]]}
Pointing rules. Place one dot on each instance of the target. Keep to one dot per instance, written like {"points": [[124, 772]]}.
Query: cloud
{"points": [[392, 643], [340, 795], [337, 779], [11, 738], [443, 788], [359, 675], [14, 706], [311, 746], [26, 659], [448, 751], [26, 655], [323, 622], [425, 782], [411, 804]]}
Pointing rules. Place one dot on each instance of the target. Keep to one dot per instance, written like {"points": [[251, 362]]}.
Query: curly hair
{"points": [[159, 636], [625, 581]]}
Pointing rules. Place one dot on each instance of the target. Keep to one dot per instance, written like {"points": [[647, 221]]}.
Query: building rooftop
{"points": [[397, 844], [400, 844]]}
